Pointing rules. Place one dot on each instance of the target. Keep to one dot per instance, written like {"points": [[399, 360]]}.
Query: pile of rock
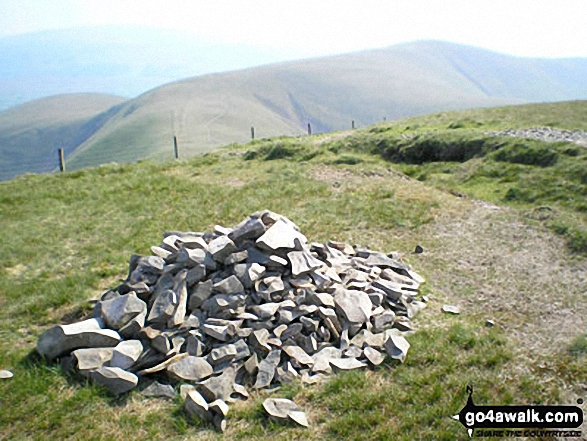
{"points": [[249, 306]]}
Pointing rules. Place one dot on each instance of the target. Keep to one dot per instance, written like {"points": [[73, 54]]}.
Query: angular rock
{"points": [[118, 311], [299, 355], [219, 388], [190, 368], [302, 262], [265, 311], [322, 359], [249, 273], [355, 306], [199, 294], [267, 369], [373, 355], [62, 339], [222, 354], [126, 353], [251, 228], [158, 390], [285, 410], [281, 235], [230, 285], [116, 380], [163, 307], [221, 247], [197, 407], [181, 289], [383, 321], [397, 347], [91, 358]]}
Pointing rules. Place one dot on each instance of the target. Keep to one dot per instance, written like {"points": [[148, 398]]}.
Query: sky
{"points": [[322, 27]]}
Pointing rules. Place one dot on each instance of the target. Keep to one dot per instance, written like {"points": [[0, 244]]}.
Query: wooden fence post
{"points": [[353, 124], [253, 133], [61, 161], [309, 129], [175, 147]]}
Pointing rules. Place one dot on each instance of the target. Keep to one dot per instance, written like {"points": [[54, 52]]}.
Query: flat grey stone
{"points": [[281, 235], [190, 368], [391, 289], [4, 374], [163, 365], [62, 339], [451, 309], [91, 358], [285, 410], [355, 306], [249, 273], [116, 380], [322, 359], [373, 355], [158, 390], [197, 407], [230, 285], [346, 364], [219, 332], [397, 347], [258, 340], [353, 352], [126, 353], [299, 355], [221, 247]]}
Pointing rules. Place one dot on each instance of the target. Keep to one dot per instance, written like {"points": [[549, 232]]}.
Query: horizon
{"points": [[304, 29]]}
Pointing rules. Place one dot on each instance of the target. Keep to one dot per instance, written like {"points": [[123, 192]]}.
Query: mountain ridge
{"points": [[328, 93]]}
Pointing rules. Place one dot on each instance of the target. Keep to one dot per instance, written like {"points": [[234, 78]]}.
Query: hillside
{"points": [[501, 221], [396, 82], [120, 60], [31, 134], [281, 99]]}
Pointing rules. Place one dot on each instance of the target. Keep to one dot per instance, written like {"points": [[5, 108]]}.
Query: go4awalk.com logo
{"points": [[520, 421]]}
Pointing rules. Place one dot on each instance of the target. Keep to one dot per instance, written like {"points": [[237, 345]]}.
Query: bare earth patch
{"points": [[497, 267]]}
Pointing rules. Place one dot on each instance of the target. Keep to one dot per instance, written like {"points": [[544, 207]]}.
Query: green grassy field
{"points": [[68, 237]]}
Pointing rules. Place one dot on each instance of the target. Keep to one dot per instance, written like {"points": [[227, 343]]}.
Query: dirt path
{"points": [[496, 266]]}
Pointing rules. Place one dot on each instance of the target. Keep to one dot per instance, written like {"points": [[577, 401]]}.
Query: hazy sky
{"points": [[318, 27]]}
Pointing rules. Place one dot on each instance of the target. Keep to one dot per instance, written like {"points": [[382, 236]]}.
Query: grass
{"points": [[67, 238]]}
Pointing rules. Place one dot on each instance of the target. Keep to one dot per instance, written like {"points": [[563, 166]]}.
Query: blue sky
{"points": [[320, 27]]}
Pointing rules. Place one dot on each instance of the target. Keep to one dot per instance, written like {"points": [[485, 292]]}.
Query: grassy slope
{"points": [[66, 238], [30, 134], [280, 99]]}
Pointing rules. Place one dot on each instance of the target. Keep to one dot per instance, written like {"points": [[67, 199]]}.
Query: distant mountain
{"points": [[120, 60], [32, 133], [329, 92]]}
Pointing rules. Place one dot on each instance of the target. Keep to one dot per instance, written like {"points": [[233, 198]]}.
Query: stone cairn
{"points": [[246, 307]]}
